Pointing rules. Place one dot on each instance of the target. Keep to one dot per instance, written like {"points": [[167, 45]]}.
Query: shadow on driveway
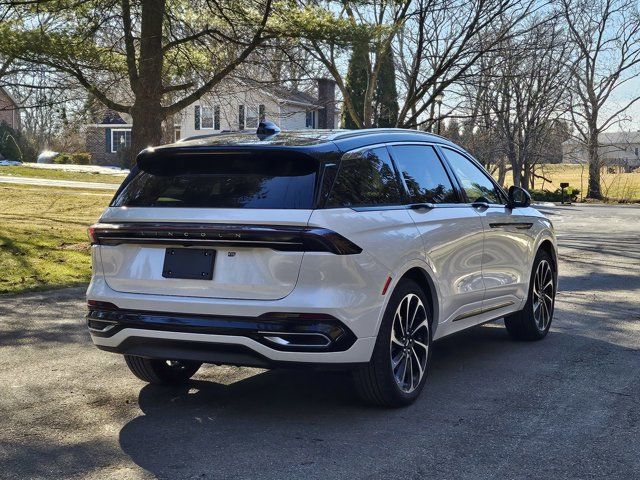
{"points": [[492, 408]]}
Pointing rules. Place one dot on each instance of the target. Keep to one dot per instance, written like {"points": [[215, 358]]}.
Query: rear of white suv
{"points": [[300, 249]]}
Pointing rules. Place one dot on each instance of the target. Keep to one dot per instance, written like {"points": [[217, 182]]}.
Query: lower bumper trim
{"points": [[218, 354]]}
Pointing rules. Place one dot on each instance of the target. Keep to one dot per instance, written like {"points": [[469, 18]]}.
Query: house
{"points": [[9, 110], [616, 149], [237, 105]]}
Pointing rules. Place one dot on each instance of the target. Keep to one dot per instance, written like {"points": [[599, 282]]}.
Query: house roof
{"points": [[611, 138], [9, 96], [283, 94]]}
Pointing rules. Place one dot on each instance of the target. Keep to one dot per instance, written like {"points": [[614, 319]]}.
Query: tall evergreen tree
{"points": [[386, 97], [356, 81]]}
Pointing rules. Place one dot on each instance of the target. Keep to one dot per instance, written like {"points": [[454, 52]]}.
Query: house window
{"points": [[120, 140], [251, 115], [176, 135], [636, 151], [210, 117], [311, 119]]}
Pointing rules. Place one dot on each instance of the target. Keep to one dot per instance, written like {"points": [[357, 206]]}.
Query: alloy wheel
{"points": [[409, 343], [543, 293]]}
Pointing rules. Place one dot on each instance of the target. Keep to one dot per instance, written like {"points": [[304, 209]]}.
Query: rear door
{"points": [[507, 242], [451, 231], [246, 211]]}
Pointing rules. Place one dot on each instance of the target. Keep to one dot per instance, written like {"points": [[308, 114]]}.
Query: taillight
{"points": [[91, 233], [101, 305]]}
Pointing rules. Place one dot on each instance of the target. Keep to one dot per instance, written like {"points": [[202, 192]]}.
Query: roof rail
{"points": [[372, 131]]}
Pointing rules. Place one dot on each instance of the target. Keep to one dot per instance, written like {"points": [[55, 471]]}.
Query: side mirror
{"points": [[518, 197]]}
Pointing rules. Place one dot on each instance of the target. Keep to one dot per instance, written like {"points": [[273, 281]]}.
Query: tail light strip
{"points": [[276, 237]]}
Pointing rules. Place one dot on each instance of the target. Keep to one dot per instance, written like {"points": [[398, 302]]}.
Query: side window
{"points": [[425, 176], [475, 182], [365, 179]]}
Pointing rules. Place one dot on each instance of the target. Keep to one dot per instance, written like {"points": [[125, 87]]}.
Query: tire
{"points": [[534, 320], [161, 371], [377, 382]]}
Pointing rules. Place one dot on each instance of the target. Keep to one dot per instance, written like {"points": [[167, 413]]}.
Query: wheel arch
{"points": [[420, 274]]}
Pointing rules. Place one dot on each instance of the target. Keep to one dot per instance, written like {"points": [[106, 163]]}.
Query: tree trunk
{"points": [[516, 169], [502, 172], [147, 112], [147, 126], [594, 168]]}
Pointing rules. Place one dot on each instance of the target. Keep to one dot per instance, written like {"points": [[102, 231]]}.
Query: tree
{"points": [[356, 82], [442, 41], [374, 24], [386, 97], [148, 58], [529, 92], [606, 34]]}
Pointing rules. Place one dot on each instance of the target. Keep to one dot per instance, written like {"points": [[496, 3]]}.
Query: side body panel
{"points": [[453, 244]]}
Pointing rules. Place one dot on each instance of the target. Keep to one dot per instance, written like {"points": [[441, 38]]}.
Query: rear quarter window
{"points": [[365, 178], [224, 181]]}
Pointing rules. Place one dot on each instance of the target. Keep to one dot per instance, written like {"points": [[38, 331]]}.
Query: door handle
{"points": [[421, 206], [480, 205]]}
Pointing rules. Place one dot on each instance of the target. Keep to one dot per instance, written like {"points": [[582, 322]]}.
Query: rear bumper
{"points": [[226, 349], [266, 341]]}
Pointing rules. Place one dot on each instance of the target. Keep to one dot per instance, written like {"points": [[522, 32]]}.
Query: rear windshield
{"points": [[224, 181]]}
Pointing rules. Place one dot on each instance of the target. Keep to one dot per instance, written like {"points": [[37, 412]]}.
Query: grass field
{"points": [[32, 172], [615, 186], [43, 240]]}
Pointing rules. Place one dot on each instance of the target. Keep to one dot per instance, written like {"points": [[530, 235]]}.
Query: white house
{"points": [[232, 106], [616, 149]]}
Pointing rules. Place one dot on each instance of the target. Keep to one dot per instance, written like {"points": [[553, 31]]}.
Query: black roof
{"points": [[317, 143], [301, 138]]}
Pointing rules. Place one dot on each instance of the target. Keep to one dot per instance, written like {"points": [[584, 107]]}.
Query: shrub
{"points": [[556, 195], [72, 159], [9, 147]]}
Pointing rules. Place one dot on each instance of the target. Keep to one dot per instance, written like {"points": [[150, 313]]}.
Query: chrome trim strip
{"points": [[479, 311]]}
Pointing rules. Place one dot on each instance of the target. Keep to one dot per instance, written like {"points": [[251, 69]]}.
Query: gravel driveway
{"points": [[566, 407]]}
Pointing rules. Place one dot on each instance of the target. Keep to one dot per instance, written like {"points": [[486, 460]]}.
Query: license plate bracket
{"points": [[189, 263]]}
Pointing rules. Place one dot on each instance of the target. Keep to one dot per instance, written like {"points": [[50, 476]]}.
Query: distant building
{"points": [[617, 149], [9, 110], [236, 105]]}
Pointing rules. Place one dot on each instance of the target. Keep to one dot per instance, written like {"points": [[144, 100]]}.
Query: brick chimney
{"points": [[327, 99]]}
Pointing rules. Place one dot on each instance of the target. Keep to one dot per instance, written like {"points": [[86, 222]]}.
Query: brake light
{"points": [[91, 233], [101, 305]]}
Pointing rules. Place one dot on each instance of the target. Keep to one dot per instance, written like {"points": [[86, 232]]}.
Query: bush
{"points": [[72, 159], [14, 145], [556, 195], [9, 147]]}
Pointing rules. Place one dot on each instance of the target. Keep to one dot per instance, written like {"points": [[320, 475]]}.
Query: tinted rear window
{"points": [[365, 179], [224, 181]]}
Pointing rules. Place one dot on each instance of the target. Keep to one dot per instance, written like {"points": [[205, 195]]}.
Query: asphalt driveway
{"points": [[566, 407]]}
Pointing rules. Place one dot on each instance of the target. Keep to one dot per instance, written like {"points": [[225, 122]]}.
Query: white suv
{"points": [[344, 249]]}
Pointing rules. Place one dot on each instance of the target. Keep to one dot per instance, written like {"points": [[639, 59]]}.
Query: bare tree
{"points": [[441, 42], [528, 93], [606, 34]]}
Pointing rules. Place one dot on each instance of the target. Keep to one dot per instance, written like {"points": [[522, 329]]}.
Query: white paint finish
{"points": [[360, 351], [507, 250], [453, 243], [249, 216], [256, 273], [238, 273], [446, 242]]}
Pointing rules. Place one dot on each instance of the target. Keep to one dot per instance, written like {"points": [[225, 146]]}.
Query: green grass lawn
{"points": [[43, 240], [34, 172]]}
